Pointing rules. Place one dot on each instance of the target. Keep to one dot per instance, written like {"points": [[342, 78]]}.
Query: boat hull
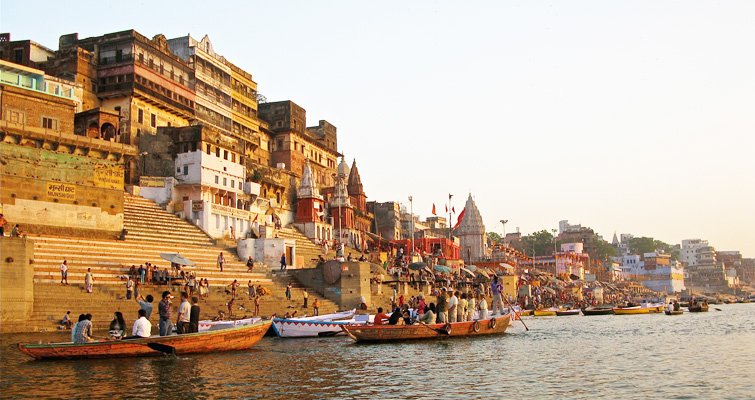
{"points": [[698, 308], [679, 312], [566, 313], [597, 311], [237, 338], [637, 310], [388, 333], [544, 313], [287, 328]]}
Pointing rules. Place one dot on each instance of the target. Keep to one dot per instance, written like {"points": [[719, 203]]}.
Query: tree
{"points": [[603, 250], [642, 245], [541, 242], [494, 238]]}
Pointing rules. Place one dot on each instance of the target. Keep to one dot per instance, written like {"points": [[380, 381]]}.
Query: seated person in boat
{"points": [[117, 326], [380, 317], [406, 315], [429, 316], [82, 332], [142, 327], [676, 306], [395, 317]]}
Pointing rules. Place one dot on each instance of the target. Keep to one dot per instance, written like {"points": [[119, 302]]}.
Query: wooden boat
{"points": [[564, 313], [295, 328], [525, 313], [702, 307], [236, 338], [544, 313], [597, 311], [386, 333], [675, 312], [649, 309], [209, 325]]}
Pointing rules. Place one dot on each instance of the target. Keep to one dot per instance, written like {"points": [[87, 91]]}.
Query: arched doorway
{"points": [[107, 131]]}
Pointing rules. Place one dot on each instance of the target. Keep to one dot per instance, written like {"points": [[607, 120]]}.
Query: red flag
{"points": [[446, 207], [453, 210], [434, 209], [461, 216]]}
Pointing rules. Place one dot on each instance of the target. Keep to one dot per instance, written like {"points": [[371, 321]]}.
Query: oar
{"points": [[439, 330], [163, 348], [512, 310], [717, 309]]}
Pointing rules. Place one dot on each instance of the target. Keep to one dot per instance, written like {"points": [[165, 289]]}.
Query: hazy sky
{"points": [[635, 116]]}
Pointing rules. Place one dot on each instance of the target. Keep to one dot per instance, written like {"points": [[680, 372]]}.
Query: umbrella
{"points": [[442, 268], [176, 258], [472, 268], [428, 270], [468, 271], [483, 273], [417, 266]]}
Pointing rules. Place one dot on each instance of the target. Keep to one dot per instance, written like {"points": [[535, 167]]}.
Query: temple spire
{"points": [[307, 187]]}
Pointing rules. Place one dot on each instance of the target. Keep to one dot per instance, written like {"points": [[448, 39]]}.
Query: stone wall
{"points": [[16, 282], [347, 291]]}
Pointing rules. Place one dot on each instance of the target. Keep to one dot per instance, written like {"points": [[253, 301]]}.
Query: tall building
{"points": [[472, 235]]}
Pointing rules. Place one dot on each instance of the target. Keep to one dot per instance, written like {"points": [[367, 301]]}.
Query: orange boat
{"points": [[386, 333], [236, 338]]}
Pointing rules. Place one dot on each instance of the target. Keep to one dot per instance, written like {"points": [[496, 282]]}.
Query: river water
{"points": [[704, 355]]}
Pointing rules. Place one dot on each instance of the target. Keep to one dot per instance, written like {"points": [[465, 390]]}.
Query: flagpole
{"points": [[449, 215]]}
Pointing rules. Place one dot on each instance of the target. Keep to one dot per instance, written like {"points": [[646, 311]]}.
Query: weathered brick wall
{"points": [[16, 282]]}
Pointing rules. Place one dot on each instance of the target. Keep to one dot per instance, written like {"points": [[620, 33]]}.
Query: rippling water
{"points": [[705, 355]]}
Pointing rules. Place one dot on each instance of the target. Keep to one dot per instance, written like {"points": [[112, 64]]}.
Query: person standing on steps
{"points": [[288, 293], [221, 261], [89, 280], [249, 264], [64, 273], [305, 295], [3, 223], [283, 261], [257, 305], [250, 288], [316, 306], [129, 288]]}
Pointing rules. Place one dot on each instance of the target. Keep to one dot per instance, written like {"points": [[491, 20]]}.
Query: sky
{"points": [[624, 116]]}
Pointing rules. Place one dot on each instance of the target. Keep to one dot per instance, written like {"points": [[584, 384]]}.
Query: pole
{"points": [[411, 211], [449, 215], [555, 265]]}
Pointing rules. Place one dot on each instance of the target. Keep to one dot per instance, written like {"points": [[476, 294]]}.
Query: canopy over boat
{"points": [[387, 333], [237, 338]]}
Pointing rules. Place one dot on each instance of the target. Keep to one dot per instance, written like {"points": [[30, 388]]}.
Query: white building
{"points": [[655, 271], [471, 233], [688, 253]]}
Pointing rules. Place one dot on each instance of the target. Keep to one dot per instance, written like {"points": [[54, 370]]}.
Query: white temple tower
{"points": [[471, 234]]}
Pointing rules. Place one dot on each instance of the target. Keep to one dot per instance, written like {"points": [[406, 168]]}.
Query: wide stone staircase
{"points": [[309, 250], [151, 231]]}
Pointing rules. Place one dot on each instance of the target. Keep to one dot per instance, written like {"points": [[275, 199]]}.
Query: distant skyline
{"points": [[625, 116]]}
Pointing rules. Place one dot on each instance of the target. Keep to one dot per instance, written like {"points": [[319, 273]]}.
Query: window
{"points": [[16, 117], [153, 120], [178, 170], [50, 123], [240, 185], [186, 148], [233, 184], [140, 116], [217, 180], [186, 170], [217, 152], [225, 154], [18, 56], [233, 157], [225, 181], [209, 150]]}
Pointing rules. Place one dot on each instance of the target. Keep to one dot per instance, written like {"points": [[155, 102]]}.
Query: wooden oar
{"points": [[512, 310], [163, 348], [439, 330], [717, 309]]}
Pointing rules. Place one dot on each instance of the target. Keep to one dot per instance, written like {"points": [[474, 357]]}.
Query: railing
{"points": [[69, 138]]}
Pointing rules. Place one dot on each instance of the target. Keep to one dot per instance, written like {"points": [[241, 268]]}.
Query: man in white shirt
{"points": [[142, 327], [64, 273], [184, 311], [453, 302]]}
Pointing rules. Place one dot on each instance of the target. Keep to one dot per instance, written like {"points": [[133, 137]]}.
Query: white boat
{"points": [[305, 327], [210, 325], [326, 317]]}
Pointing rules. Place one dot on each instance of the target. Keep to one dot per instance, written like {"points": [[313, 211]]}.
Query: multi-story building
{"points": [[655, 271], [688, 253], [387, 219], [53, 178]]}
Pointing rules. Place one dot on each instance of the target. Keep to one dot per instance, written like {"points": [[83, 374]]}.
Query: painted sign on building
{"points": [[152, 181], [108, 176], [61, 191]]}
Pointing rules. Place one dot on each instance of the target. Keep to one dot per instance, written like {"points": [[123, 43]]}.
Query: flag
{"points": [[446, 207], [434, 209], [461, 216], [453, 210]]}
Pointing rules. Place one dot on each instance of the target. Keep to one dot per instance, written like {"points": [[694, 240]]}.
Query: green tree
{"points": [[494, 238], [641, 245], [603, 250], [541, 242]]}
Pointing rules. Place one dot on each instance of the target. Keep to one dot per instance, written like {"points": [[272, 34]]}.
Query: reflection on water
{"points": [[705, 355]]}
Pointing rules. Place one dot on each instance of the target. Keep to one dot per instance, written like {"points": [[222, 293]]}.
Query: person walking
{"points": [[283, 261], [221, 261], [234, 285], [164, 308], [64, 273], [89, 280], [129, 288]]}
